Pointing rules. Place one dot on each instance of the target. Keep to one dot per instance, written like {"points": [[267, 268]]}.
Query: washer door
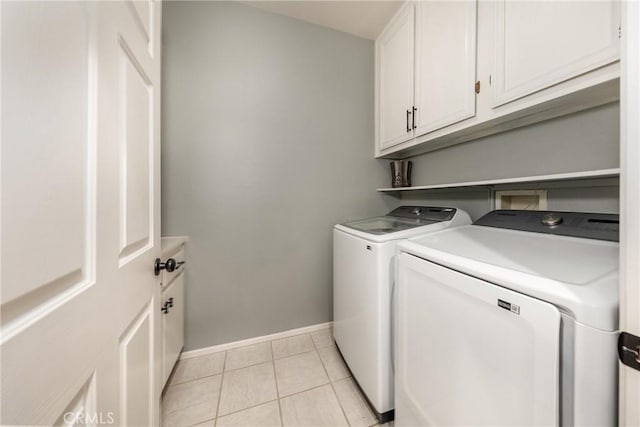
{"points": [[472, 353]]}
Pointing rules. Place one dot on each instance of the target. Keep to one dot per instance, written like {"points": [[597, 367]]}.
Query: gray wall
{"points": [[580, 196], [582, 141], [267, 142]]}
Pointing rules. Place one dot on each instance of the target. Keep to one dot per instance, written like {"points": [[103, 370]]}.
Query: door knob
{"points": [[169, 265]]}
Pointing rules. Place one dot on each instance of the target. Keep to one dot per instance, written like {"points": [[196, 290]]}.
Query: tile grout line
{"points": [[275, 377], [292, 354], [304, 391], [326, 345], [274, 400], [193, 379], [197, 379], [248, 366], [203, 421], [349, 377], [246, 409], [191, 405], [252, 406], [220, 393], [299, 354], [344, 413], [240, 348], [278, 397], [224, 365], [172, 384], [315, 386]]}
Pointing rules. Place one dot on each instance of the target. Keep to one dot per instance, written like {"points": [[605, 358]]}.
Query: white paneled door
{"points": [[630, 205], [80, 213]]}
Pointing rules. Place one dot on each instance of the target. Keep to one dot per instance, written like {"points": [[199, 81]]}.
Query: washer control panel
{"points": [[425, 213], [575, 224]]}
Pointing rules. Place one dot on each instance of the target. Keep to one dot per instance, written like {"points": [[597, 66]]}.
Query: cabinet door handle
{"points": [[408, 113], [165, 308], [413, 118]]}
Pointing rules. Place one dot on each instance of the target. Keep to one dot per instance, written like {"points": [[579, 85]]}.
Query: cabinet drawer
{"points": [[168, 277]]}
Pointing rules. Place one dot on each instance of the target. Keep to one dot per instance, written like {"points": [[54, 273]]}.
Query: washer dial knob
{"points": [[551, 219]]}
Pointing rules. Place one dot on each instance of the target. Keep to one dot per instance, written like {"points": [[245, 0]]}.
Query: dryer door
{"points": [[472, 353]]}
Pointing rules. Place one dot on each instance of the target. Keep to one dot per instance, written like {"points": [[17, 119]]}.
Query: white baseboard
{"points": [[242, 343]]}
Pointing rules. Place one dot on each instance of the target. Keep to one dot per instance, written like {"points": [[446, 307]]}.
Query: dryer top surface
{"points": [[576, 274]]}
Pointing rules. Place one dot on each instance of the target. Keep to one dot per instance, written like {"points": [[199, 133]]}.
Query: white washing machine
{"points": [[510, 321], [363, 254]]}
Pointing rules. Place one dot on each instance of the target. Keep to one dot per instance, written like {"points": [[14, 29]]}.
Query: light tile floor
{"points": [[296, 381]]}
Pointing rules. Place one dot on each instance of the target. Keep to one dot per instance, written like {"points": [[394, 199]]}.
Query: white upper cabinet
{"points": [[539, 44], [445, 63], [394, 49], [487, 66]]}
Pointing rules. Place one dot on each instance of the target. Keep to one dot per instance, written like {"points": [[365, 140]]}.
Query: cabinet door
{"points": [[539, 44], [173, 325], [445, 63], [394, 52]]}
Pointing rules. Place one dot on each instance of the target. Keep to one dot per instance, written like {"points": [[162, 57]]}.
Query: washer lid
{"points": [[579, 275], [405, 222], [386, 224], [402, 218]]}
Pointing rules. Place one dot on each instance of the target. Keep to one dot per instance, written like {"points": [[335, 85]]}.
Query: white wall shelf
{"points": [[600, 173]]}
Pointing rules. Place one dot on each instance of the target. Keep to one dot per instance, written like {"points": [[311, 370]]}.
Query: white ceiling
{"points": [[361, 18]]}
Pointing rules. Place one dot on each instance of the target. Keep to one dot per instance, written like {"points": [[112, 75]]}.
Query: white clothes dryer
{"points": [[363, 254], [510, 321]]}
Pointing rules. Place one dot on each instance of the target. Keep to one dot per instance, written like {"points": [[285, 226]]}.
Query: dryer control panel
{"points": [[575, 224]]}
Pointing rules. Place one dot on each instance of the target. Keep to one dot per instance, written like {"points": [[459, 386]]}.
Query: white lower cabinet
{"points": [[172, 312], [172, 304], [483, 67]]}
